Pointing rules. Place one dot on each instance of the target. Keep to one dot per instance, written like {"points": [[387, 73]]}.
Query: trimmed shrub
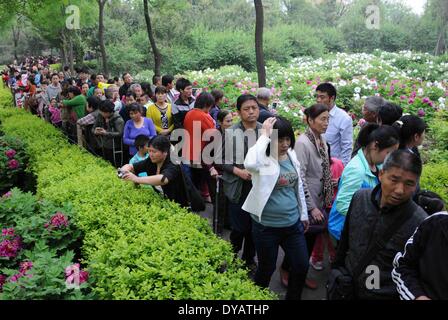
{"points": [[435, 178]]}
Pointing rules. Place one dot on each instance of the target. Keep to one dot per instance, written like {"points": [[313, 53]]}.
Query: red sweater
{"points": [[194, 145]]}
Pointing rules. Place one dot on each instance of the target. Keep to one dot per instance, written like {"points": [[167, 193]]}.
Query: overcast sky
{"points": [[416, 5]]}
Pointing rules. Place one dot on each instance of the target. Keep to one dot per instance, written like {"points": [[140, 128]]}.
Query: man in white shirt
{"points": [[340, 129]]}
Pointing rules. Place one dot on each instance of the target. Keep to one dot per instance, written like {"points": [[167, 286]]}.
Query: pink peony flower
{"points": [[195, 83], [15, 277], [411, 101], [309, 82], [10, 248], [10, 153], [2, 281], [421, 113], [13, 164], [59, 220], [74, 275], [403, 97], [25, 266], [8, 232], [413, 94], [7, 195], [426, 100]]}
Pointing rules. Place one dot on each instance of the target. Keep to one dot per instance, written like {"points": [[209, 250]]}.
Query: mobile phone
{"points": [[274, 105]]}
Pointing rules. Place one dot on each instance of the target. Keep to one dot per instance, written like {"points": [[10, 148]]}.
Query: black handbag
{"points": [[341, 284]]}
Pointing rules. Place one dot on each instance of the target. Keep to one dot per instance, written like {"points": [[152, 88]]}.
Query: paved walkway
{"points": [[319, 276]]}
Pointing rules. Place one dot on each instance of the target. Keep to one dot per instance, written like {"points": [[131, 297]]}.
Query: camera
{"points": [[120, 173]]}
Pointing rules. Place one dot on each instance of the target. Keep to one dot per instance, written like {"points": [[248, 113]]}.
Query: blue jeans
{"points": [[292, 240]]}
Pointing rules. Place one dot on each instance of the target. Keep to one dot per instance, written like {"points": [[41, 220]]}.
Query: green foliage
{"points": [[137, 245], [435, 178]]}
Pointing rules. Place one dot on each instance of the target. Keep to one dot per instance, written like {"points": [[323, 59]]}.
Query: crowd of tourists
{"points": [[323, 194]]}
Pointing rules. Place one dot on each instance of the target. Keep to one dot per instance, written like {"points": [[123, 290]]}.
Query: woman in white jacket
{"points": [[277, 205]]}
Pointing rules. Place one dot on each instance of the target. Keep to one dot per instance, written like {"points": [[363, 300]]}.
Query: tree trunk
{"points": [[71, 57], [101, 4], [441, 45], [152, 41], [259, 43], [15, 39], [64, 49]]}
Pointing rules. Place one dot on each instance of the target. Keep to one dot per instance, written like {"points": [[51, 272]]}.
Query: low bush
{"points": [[38, 248], [435, 178]]}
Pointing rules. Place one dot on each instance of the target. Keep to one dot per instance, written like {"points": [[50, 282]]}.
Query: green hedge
{"points": [[435, 178], [137, 245]]}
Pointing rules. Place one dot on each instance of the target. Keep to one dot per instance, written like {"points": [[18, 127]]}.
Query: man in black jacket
{"points": [[371, 212], [420, 272]]}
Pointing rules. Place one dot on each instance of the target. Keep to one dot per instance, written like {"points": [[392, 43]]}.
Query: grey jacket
{"points": [[311, 165], [114, 130], [54, 92], [233, 138], [366, 221]]}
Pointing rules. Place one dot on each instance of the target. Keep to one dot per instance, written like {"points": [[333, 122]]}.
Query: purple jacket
{"points": [[131, 132]]}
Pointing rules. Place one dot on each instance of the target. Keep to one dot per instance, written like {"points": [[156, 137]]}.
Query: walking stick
{"points": [[216, 206]]}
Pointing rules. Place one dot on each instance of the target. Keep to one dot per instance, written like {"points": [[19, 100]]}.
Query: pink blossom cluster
{"points": [[10, 153], [7, 195], [24, 268], [58, 221], [8, 232], [13, 164], [74, 275], [2, 281], [10, 244]]}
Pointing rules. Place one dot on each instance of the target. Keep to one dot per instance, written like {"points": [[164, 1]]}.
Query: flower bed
{"points": [[13, 163], [38, 250], [137, 245], [417, 82]]}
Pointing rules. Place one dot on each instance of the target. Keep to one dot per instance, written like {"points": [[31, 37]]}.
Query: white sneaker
{"points": [[317, 265]]}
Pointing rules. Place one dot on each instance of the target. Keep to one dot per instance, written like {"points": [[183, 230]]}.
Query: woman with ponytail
{"points": [[412, 132], [375, 143]]}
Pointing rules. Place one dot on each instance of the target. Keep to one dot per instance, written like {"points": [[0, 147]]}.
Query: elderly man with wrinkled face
{"points": [[374, 213]]}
